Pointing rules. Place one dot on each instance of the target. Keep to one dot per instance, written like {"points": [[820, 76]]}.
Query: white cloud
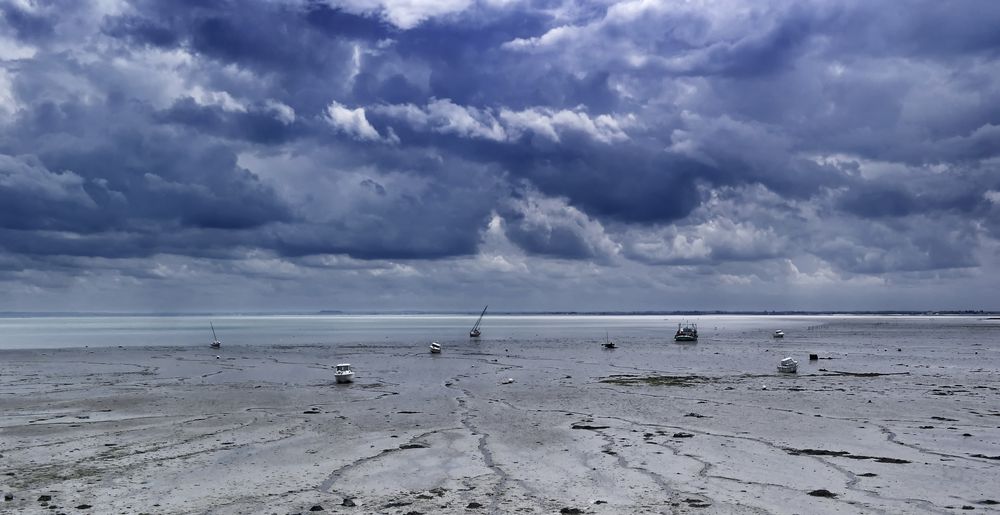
{"points": [[11, 50], [446, 117], [549, 123], [282, 112], [217, 98], [352, 122], [548, 225], [405, 14], [27, 176]]}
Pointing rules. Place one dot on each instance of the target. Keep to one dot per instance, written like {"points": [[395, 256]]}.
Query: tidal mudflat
{"points": [[899, 415]]}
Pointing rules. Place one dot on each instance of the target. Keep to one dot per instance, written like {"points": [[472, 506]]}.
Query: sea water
{"points": [[727, 341]]}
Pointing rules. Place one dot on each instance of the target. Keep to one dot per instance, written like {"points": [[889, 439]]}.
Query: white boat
{"points": [[435, 348], [344, 374], [686, 332], [779, 334], [474, 333], [788, 365], [215, 339]]}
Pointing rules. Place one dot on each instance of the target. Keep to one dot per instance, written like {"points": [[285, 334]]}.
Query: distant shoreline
{"points": [[991, 315]]}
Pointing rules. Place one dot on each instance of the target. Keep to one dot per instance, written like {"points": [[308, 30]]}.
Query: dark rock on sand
{"points": [[868, 474], [412, 446], [348, 502], [316, 508], [883, 460], [683, 435], [989, 502], [473, 506], [414, 512], [44, 498], [822, 492], [586, 426], [985, 456], [8, 497], [84, 507], [570, 511]]}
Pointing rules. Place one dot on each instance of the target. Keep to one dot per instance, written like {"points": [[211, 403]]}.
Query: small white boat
{"points": [[779, 334], [788, 365], [344, 374], [435, 348], [215, 339]]}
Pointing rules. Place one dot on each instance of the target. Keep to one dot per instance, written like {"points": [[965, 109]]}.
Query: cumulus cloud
{"points": [[625, 146], [445, 117], [351, 121], [550, 227], [26, 179], [406, 14]]}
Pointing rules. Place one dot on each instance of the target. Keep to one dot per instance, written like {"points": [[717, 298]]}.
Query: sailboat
{"points": [[474, 333], [608, 344], [215, 339]]}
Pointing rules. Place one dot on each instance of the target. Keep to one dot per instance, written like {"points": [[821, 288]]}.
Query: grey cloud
{"points": [[853, 139]]}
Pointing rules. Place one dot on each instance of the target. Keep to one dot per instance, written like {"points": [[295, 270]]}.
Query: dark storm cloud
{"points": [[257, 124], [26, 26], [303, 127]]}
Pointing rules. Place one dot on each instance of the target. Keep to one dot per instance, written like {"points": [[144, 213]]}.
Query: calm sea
{"points": [[171, 331]]}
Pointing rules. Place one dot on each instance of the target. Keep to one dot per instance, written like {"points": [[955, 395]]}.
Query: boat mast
{"points": [[214, 337], [480, 318]]}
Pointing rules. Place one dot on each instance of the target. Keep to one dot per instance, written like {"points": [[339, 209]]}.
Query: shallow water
{"points": [[728, 344]]}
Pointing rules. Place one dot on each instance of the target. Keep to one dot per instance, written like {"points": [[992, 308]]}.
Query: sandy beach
{"points": [[887, 423]]}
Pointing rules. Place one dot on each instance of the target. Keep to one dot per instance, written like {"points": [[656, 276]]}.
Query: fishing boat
{"points": [[608, 344], [435, 348], [779, 334], [474, 333], [215, 339], [788, 366], [686, 332], [343, 373]]}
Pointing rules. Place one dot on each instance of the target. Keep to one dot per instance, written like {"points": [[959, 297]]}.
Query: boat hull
{"points": [[685, 338], [788, 366], [344, 378]]}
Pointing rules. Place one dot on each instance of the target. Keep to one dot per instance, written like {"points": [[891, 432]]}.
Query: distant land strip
{"points": [[992, 315]]}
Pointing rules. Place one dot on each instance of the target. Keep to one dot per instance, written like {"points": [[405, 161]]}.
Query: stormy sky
{"points": [[214, 155]]}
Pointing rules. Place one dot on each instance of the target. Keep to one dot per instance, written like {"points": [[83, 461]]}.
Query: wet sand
{"points": [[505, 426]]}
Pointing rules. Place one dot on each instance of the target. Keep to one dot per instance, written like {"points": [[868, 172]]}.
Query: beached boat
{"points": [[215, 339], [686, 332], [343, 373], [788, 365], [474, 333], [435, 348], [779, 334], [608, 344]]}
